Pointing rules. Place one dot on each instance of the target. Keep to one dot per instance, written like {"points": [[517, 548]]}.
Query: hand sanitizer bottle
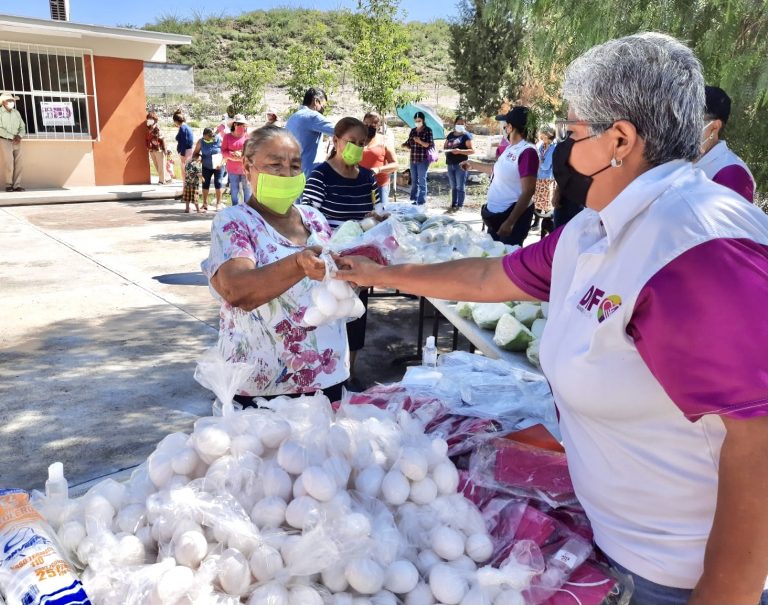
{"points": [[429, 353]]}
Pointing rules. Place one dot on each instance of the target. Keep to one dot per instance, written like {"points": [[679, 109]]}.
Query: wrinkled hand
{"points": [[505, 230], [358, 270], [310, 263]]}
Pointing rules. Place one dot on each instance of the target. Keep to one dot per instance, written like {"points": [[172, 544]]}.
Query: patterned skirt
{"points": [[189, 194], [542, 197]]}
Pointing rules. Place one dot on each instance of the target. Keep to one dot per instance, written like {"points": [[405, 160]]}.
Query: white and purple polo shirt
{"points": [[725, 168], [657, 327]]}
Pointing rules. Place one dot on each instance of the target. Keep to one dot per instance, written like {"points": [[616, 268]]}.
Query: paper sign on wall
{"points": [[57, 113]]}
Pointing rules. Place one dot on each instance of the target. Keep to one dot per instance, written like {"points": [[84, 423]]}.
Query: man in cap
{"points": [[717, 161], [11, 130], [308, 125]]}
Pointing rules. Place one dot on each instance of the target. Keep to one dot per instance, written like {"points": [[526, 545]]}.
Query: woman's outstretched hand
{"points": [[310, 263]]}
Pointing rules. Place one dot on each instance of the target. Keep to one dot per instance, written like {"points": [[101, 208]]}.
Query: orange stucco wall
{"points": [[120, 158]]}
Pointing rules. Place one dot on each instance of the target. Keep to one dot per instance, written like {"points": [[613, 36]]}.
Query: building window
{"points": [[55, 89]]}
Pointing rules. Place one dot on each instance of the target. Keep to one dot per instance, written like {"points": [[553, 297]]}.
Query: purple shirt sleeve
{"points": [[736, 179], [530, 268], [700, 324], [528, 164]]}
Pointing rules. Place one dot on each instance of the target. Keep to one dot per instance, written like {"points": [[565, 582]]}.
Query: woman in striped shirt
{"points": [[345, 191]]}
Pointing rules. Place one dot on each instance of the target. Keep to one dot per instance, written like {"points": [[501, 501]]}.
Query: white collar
{"points": [[718, 151], [639, 194]]}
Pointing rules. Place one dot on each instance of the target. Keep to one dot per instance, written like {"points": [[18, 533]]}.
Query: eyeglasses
{"points": [[562, 130]]}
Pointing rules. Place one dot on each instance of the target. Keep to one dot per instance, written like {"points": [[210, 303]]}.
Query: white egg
{"points": [[463, 563], [274, 431], [365, 576], [211, 443], [233, 572], [318, 483], [334, 578], [265, 563], [315, 317], [401, 577], [292, 457], [269, 594], [384, 597], [300, 511], [145, 535], [269, 512], [340, 289], [478, 596], [190, 548], [479, 547], [447, 585], [113, 491], [447, 543], [421, 595], [325, 302], [346, 307], [342, 598], [174, 583], [130, 551], [130, 518], [395, 488], [426, 560], [358, 309], [424, 491], [99, 512], [298, 487], [413, 463], [368, 481], [355, 525], [438, 451], [246, 444], [446, 477], [304, 595], [185, 461], [339, 469], [276, 482]]}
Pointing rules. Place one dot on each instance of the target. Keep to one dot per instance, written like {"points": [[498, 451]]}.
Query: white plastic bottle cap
{"points": [[56, 471]]}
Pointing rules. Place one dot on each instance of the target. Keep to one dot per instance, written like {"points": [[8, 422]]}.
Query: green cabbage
{"points": [[511, 334]]}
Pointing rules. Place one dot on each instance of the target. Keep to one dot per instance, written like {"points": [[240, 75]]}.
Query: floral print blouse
{"points": [[286, 357]]}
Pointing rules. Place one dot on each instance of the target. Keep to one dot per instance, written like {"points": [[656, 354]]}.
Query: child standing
{"points": [[191, 184]]}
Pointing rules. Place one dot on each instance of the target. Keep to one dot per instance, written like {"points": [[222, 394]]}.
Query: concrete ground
{"points": [[97, 356]]}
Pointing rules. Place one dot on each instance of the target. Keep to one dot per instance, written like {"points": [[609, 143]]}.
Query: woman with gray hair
{"points": [[655, 342], [261, 268]]}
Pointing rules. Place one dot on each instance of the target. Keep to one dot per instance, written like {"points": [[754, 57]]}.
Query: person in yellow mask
{"points": [[262, 266]]}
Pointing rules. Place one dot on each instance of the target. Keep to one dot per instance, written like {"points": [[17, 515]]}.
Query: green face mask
{"points": [[352, 154], [278, 193]]}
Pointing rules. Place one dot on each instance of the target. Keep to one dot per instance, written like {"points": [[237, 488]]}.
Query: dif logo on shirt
{"points": [[606, 305]]}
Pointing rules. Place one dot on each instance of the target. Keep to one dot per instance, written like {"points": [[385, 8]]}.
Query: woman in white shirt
{"points": [[656, 337], [262, 266], [508, 211]]}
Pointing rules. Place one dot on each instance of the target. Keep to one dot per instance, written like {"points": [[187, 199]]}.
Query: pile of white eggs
{"points": [[292, 505]]}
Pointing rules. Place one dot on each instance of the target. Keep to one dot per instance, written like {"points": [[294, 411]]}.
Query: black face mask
{"points": [[371, 132], [573, 185]]}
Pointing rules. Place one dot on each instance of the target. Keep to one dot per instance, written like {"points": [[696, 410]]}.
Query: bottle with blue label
{"points": [[33, 570]]}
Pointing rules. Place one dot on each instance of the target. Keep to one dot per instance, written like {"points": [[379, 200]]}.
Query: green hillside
{"points": [[220, 40]]}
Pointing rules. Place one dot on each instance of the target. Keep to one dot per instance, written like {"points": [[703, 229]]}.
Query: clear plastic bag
{"points": [[381, 244], [222, 377], [332, 299]]}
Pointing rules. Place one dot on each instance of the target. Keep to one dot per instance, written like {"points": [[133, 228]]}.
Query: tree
{"points": [[249, 80], [380, 61], [307, 66], [730, 38], [484, 49]]}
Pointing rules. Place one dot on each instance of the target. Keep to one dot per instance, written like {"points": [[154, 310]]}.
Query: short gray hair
{"points": [[652, 80]]}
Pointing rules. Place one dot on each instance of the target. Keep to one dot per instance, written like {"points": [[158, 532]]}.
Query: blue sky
{"points": [[139, 12]]}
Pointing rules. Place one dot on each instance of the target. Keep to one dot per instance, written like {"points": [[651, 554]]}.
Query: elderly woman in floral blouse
{"points": [[263, 263]]}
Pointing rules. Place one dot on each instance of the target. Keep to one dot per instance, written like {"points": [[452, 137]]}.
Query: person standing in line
{"points": [[420, 139], [508, 211], [232, 151], [12, 129], [309, 125], [209, 149], [718, 162], [185, 141], [457, 147], [379, 155], [545, 181], [156, 146]]}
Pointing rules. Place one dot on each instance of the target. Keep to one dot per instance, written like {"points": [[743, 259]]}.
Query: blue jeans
{"points": [[235, 182], [384, 193], [457, 177], [419, 182], [650, 593]]}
